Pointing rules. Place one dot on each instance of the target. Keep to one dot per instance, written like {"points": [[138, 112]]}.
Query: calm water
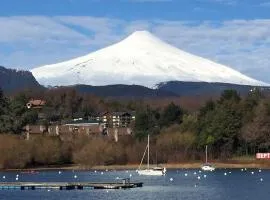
{"points": [[177, 184]]}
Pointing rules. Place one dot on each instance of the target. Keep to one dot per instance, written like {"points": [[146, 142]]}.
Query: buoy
{"points": [[195, 185], [261, 179], [200, 171], [230, 172], [95, 171], [242, 169], [75, 176], [130, 175], [199, 178], [17, 175], [17, 178], [225, 174], [260, 170], [117, 178], [49, 190], [252, 172], [101, 173], [4, 177], [171, 179], [204, 176], [106, 170], [59, 172], [195, 173], [127, 171], [186, 174]]}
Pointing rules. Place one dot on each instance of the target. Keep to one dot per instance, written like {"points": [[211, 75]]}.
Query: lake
{"points": [[222, 184]]}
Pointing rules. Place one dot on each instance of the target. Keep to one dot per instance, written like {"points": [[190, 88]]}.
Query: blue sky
{"points": [[233, 32]]}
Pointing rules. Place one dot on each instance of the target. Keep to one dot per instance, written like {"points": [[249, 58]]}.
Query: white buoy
{"points": [[17, 175], [4, 177], [242, 169], [186, 174], [195, 185], [230, 172], [106, 170], [200, 171], [204, 175], [195, 173], [17, 178], [75, 176], [171, 179], [101, 173], [130, 175], [261, 179], [48, 190], [245, 169], [252, 173], [59, 172], [117, 178], [199, 178], [95, 171], [127, 171], [260, 170], [225, 174], [107, 191]]}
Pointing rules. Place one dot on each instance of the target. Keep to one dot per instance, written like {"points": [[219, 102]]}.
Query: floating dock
{"points": [[67, 186]]}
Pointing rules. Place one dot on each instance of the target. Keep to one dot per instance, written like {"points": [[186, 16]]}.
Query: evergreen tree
{"points": [[220, 125], [171, 114], [5, 119]]}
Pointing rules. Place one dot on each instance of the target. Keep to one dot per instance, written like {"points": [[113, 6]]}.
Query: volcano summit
{"points": [[140, 59]]}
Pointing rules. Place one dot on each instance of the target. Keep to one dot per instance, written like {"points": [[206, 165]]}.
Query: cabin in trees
{"points": [[35, 103], [90, 128], [115, 119], [74, 127], [85, 127]]}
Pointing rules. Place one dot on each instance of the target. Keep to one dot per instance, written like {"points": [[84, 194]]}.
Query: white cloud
{"points": [[33, 41]]}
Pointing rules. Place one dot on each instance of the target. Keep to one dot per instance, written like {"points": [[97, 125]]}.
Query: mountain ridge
{"points": [[12, 80]]}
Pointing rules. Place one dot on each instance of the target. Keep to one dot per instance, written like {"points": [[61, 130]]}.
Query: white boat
{"points": [[207, 166], [156, 171]]}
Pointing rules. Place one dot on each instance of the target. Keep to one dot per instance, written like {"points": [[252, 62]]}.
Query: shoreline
{"points": [[186, 165]]}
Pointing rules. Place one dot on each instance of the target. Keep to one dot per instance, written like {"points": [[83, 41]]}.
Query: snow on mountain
{"points": [[140, 59]]}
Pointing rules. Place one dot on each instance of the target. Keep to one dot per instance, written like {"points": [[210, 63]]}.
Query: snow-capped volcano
{"points": [[140, 59]]}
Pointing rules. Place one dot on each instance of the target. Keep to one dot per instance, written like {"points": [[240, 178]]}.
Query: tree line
{"points": [[230, 125]]}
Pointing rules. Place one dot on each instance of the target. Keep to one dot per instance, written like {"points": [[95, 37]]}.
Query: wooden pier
{"points": [[67, 186]]}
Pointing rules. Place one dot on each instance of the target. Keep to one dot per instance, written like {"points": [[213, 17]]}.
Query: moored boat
{"points": [[156, 171]]}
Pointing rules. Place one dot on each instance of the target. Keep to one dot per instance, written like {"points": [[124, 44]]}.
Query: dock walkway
{"points": [[67, 186]]}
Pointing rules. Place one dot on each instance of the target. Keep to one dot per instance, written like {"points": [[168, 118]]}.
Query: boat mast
{"points": [[206, 154], [148, 154]]}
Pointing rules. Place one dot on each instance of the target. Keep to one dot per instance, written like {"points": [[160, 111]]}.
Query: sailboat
{"points": [[207, 166], [156, 171]]}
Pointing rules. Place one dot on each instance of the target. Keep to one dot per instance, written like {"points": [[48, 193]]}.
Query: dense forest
{"points": [[231, 125]]}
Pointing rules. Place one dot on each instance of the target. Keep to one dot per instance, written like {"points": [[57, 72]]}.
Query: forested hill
{"points": [[126, 91], [204, 88], [12, 80]]}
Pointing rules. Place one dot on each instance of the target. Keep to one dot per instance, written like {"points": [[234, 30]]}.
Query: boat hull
{"points": [[151, 172], [207, 168]]}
